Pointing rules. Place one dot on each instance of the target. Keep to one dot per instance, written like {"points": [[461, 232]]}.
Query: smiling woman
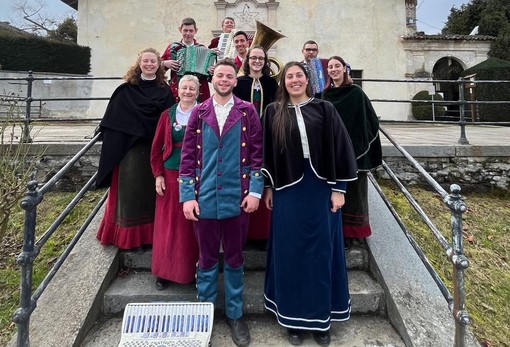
{"points": [[308, 160], [128, 128]]}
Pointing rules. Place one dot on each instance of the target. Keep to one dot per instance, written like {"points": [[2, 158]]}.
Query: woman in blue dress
{"points": [[308, 160]]}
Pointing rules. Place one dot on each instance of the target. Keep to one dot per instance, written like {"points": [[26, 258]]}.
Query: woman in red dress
{"points": [[258, 87], [175, 249]]}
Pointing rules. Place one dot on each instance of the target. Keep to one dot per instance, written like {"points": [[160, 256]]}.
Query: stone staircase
{"points": [[368, 325]]}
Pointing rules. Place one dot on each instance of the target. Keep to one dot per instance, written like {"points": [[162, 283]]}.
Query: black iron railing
{"points": [[453, 251], [34, 196], [32, 248]]}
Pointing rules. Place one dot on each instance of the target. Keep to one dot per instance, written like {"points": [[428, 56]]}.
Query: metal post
{"points": [[25, 259], [460, 263], [433, 109], [25, 138], [462, 121]]}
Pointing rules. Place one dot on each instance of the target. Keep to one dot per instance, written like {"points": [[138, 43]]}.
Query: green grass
{"points": [[486, 244], [47, 212], [486, 231]]}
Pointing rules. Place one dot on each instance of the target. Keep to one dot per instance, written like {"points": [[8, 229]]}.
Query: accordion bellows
{"points": [[317, 75], [195, 60]]}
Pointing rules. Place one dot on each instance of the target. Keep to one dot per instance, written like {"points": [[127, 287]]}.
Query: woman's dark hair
{"points": [[282, 121], [246, 67], [133, 75], [345, 81]]}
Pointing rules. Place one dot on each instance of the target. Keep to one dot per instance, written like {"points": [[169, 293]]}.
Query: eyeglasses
{"points": [[257, 58], [311, 49]]}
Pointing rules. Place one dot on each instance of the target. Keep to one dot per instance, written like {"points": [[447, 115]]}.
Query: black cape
{"points": [[361, 122], [132, 113], [331, 153], [243, 89]]}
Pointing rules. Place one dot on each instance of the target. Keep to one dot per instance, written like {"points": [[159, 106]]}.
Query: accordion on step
{"points": [[195, 60], [169, 324]]}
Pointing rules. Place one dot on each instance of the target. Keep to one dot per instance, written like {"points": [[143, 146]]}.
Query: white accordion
{"points": [[172, 324]]}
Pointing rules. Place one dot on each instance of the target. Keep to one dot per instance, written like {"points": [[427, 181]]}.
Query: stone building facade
{"points": [[377, 38]]}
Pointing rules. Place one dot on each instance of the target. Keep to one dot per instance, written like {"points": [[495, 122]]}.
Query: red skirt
{"points": [[355, 211], [175, 248], [112, 232], [128, 221]]}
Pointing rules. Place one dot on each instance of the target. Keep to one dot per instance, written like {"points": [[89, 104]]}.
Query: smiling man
{"points": [[310, 52], [241, 44], [220, 183], [188, 30]]}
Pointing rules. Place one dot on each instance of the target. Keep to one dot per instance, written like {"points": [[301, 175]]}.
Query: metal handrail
{"points": [[454, 252], [34, 196], [461, 82], [31, 249]]}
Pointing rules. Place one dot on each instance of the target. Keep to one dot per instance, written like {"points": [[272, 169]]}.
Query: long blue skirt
{"points": [[306, 277]]}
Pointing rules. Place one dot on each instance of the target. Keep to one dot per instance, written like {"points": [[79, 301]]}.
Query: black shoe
{"points": [[240, 332], [347, 243], [295, 336], [162, 284], [322, 337]]}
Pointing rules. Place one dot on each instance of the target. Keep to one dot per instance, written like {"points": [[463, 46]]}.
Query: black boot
{"points": [[240, 332], [322, 337], [295, 337]]}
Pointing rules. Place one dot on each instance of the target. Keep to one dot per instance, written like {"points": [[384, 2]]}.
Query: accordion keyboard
{"points": [[167, 324]]}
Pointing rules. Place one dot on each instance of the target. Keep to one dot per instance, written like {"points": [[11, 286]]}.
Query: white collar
{"points": [[230, 101]]}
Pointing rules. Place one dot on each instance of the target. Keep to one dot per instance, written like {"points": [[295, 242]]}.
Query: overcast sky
{"points": [[431, 14]]}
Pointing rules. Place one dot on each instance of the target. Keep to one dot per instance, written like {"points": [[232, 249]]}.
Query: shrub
{"points": [[23, 53], [492, 69], [422, 111]]}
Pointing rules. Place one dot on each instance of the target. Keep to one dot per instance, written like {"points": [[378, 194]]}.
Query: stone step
{"points": [[367, 296], [254, 259], [358, 331]]}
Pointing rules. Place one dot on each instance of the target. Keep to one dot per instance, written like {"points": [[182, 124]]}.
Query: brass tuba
{"points": [[266, 37]]}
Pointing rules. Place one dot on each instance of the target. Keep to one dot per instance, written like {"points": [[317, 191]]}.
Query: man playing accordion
{"points": [[169, 58], [317, 67]]}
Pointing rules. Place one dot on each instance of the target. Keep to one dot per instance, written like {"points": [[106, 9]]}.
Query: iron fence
{"points": [[460, 116], [34, 195], [454, 252]]}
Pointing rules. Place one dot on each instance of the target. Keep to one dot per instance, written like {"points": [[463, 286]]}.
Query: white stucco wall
{"points": [[364, 32]]}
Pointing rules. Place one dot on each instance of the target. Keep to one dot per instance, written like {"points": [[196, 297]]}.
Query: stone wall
{"points": [[470, 167], [468, 172]]}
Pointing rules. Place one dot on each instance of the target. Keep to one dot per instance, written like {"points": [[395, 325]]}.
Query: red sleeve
{"points": [[214, 42], [166, 53], [158, 144]]}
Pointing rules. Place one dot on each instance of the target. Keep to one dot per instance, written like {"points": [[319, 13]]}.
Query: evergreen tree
{"points": [[491, 16], [67, 31]]}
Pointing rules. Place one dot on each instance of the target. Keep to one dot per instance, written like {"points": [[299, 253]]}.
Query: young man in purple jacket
{"points": [[220, 183]]}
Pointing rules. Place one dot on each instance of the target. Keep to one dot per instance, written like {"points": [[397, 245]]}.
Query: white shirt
{"points": [[182, 117], [222, 112], [302, 132]]}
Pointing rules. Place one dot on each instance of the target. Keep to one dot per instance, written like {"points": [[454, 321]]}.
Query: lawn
{"points": [[47, 212], [486, 244], [486, 231]]}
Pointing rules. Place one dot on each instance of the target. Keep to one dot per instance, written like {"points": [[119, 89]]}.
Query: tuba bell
{"points": [[266, 37]]}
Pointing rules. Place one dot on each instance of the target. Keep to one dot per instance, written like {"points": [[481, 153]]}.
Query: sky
{"points": [[431, 14]]}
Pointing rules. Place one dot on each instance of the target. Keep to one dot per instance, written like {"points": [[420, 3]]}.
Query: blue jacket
{"points": [[219, 171]]}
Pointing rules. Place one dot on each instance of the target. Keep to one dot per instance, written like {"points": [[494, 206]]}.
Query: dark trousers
{"points": [[230, 233]]}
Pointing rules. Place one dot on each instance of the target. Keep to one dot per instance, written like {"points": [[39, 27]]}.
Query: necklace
{"points": [[145, 78]]}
